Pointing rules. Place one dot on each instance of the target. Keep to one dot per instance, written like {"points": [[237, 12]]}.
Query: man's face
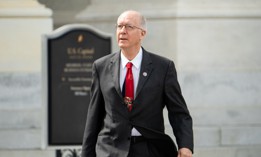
{"points": [[129, 33]]}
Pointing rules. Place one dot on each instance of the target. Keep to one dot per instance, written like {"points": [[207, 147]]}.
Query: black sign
{"points": [[70, 55]]}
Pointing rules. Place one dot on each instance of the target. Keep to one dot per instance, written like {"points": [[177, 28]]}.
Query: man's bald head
{"points": [[137, 15]]}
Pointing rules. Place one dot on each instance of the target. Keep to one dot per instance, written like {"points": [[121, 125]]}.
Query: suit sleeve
{"points": [[94, 119], [178, 112]]}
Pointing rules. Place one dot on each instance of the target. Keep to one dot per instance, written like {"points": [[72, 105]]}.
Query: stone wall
{"points": [[218, 56]]}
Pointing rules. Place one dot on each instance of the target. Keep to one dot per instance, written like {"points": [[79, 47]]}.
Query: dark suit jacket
{"points": [[109, 124]]}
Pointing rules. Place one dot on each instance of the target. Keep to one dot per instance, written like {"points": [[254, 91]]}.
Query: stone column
{"points": [[22, 22]]}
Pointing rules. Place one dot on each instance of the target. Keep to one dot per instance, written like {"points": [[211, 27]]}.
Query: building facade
{"points": [[215, 45]]}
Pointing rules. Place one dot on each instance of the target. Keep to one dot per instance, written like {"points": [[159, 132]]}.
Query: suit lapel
{"points": [[145, 71], [115, 69]]}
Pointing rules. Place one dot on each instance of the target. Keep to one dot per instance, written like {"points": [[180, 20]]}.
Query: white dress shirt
{"points": [[135, 71]]}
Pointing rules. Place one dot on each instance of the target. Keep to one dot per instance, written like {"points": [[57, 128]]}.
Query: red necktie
{"points": [[129, 86]]}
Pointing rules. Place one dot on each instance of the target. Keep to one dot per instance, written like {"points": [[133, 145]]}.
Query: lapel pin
{"points": [[145, 74]]}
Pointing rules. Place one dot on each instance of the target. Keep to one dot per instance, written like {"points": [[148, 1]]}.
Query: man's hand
{"points": [[184, 152]]}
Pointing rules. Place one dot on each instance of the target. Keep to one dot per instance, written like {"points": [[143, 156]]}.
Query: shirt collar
{"points": [[136, 61]]}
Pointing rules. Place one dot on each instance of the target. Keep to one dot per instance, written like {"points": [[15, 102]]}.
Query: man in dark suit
{"points": [[123, 125]]}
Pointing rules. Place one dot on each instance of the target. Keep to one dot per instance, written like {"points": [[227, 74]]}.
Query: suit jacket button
{"points": [[128, 138]]}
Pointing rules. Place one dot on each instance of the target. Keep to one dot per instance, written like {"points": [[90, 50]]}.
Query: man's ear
{"points": [[143, 33]]}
